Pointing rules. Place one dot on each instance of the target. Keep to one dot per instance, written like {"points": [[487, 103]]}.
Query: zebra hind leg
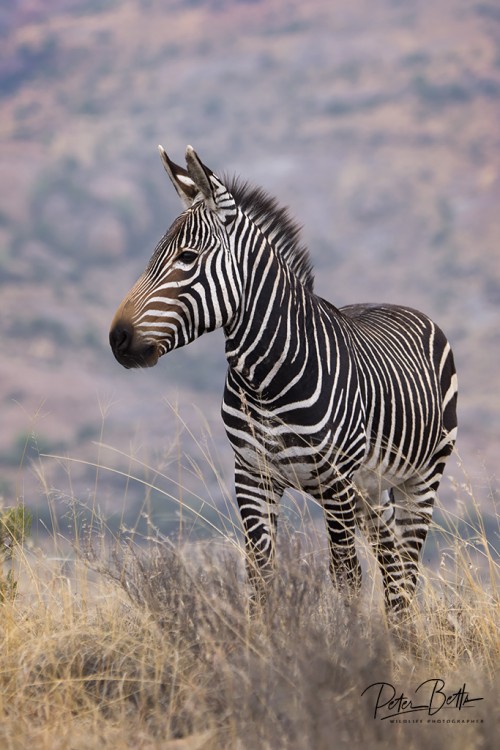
{"points": [[413, 507], [378, 521], [340, 516], [414, 504]]}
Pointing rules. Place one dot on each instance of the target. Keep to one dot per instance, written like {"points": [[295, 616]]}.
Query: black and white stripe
{"points": [[355, 406]]}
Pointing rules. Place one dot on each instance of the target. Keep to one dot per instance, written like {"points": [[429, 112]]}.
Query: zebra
{"points": [[353, 406]]}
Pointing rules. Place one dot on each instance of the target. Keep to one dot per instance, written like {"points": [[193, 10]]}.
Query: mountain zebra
{"points": [[354, 406]]}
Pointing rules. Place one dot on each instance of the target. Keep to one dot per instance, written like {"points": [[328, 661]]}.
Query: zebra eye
{"points": [[187, 256]]}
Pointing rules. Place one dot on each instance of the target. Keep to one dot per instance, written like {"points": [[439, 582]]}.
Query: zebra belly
{"points": [[372, 482], [306, 462]]}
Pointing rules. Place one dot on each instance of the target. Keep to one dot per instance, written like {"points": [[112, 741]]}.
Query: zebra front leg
{"points": [[258, 504], [340, 515]]}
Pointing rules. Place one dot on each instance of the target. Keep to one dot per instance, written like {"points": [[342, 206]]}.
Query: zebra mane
{"points": [[275, 222]]}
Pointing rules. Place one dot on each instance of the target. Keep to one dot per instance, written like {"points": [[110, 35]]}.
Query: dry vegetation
{"points": [[156, 646], [376, 122]]}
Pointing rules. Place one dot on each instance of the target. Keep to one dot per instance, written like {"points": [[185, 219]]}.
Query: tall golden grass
{"points": [[120, 644]]}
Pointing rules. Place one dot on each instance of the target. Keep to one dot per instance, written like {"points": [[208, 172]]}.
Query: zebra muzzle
{"points": [[129, 350]]}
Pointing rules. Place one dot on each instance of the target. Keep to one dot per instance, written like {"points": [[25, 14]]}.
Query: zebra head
{"points": [[179, 297]]}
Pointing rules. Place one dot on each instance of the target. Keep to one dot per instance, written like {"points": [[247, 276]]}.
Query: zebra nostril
{"points": [[120, 339]]}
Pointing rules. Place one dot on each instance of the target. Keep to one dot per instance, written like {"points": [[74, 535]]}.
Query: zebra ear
{"points": [[182, 182], [201, 176], [214, 192]]}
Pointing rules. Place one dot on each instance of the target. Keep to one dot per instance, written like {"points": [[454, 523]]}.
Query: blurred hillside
{"points": [[377, 123]]}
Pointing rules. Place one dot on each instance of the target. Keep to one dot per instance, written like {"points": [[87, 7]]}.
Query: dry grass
{"points": [[155, 646]]}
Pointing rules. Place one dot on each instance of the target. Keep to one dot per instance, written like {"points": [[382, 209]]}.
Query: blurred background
{"points": [[377, 123]]}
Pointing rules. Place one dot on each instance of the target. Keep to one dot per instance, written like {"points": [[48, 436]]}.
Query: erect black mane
{"points": [[282, 232]]}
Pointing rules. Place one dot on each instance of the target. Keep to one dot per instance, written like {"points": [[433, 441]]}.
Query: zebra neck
{"points": [[265, 344]]}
